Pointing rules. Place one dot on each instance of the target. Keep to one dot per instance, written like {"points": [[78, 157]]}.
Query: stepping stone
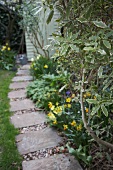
{"points": [[25, 104], [23, 72], [22, 78], [57, 162], [18, 85], [28, 119], [17, 94], [34, 141], [26, 67]]}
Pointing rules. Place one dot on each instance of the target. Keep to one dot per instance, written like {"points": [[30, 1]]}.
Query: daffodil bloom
{"points": [[45, 66], [73, 95], [95, 97], [32, 59], [55, 122], [73, 123], [57, 110], [50, 105], [57, 103], [51, 116], [68, 100], [52, 108], [65, 127], [69, 105], [85, 96], [6, 44], [88, 94], [79, 127], [87, 110], [8, 48], [65, 105], [3, 48], [38, 57]]}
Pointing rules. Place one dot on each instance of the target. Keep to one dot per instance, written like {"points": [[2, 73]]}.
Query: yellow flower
{"points": [[73, 95], [57, 110], [95, 97], [55, 122], [3, 48], [57, 103], [65, 127], [52, 108], [69, 105], [88, 94], [7, 44], [65, 105], [87, 110], [51, 116], [73, 123], [50, 105], [68, 100], [79, 127], [8, 48], [85, 96], [45, 66]]}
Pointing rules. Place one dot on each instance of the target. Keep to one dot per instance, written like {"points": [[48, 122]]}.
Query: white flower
{"points": [[32, 59]]}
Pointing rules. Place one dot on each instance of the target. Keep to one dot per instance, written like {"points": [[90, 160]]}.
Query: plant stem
{"points": [[88, 128]]}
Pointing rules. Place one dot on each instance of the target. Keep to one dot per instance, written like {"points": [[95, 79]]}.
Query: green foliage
{"points": [[46, 89], [42, 65], [7, 59], [80, 153], [85, 52], [10, 31]]}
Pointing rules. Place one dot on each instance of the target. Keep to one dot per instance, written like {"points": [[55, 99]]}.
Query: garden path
{"points": [[37, 143]]}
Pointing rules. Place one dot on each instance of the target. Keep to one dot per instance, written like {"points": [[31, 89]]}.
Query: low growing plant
{"points": [[41, 66], [7, 59]]}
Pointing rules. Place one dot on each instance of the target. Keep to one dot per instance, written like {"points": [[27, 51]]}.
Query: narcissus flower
{"points": [[95, 97], [69, 105], [73, 95], [73, 123], [57, 103], [79, 127], [57, 110], [3, 48], [32, 59], [55, 122], [88, 94], [68, 100], [87, 110], [45, 66], [50, 105], [8, 48], [51, 116], [65, 127]]}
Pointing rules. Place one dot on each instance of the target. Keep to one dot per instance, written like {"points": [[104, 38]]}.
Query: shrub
{"points": [[42, 65], [7, 59]]}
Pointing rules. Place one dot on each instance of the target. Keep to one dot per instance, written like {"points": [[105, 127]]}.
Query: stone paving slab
{"points": [[34, 141], [22, 78], [17, 94], [23, 72], [28, 119], [18, 85], [25, 104], [57, 162], [26, 67]]}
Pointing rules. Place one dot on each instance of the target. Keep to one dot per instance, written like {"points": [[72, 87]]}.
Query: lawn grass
{"points": [[9, 156]]}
